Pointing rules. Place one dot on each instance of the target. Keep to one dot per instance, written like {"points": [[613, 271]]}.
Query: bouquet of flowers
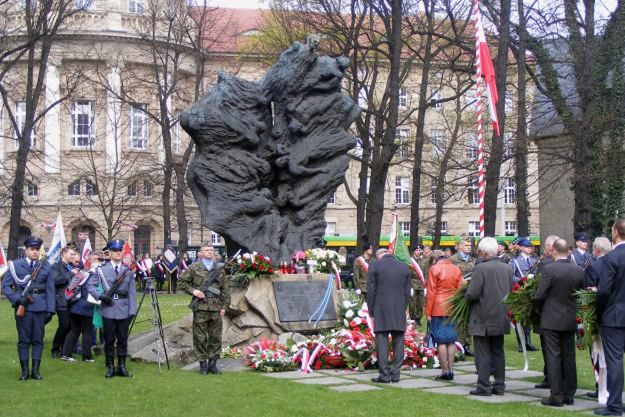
{"points": [[357, 349], [326, 260], [231, 352], [587, 314], [459, 309], [299, 258], [353, 317], [416, 354], [268, 356], [251, 266], [521, 300]]}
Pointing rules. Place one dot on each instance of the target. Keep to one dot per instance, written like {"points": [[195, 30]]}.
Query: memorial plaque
{"points": [[298, 300]]}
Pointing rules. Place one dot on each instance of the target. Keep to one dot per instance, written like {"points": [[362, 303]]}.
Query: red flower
{"points": [[241, 266], [270, 270], [515, 287], [578, 320], [523, 280]]}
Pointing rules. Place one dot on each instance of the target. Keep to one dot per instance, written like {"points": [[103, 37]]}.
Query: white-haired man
{"points": [[490, 283]]}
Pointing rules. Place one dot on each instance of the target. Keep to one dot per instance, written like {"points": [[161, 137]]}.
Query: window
{"points": [[147, 189], [434, 188], [470, 143], [405, 228], [474, 229], [508, 145], [91, 188], [403, 98], [332, 199], [437, 95], [360, 81], [132, 189], [363, 100], [175, 135], [358, 148], [215, 238], [401, 139], [83, 4], [31, 189], [437, 142], [509, 191], [473, 190], [402, 193], [138, 127], [82, 124], [20, 121], [443, 228], [509, 228], [74, 188], [135, 6], [330, 229]]}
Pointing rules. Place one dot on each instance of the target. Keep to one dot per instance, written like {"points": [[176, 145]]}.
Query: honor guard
{"points": [[114, 285], [580, 254], [417, 301], [361, 269], [207, 282], [502, 252], [30, 290]]}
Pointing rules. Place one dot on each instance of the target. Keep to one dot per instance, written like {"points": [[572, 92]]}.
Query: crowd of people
{"points": [[390, 287]]}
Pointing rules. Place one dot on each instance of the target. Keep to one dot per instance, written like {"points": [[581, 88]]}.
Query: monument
{"points": [[270, 153]]}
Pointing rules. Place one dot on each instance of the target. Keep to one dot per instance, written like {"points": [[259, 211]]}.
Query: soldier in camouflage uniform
{"points": [[361, 269], [463, 260], [417, 301], [211, 306], [502, 253]]}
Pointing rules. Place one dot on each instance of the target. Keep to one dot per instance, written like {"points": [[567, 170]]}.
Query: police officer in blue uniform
{"points": [[39, 302], [581, 255], [117, 307]]}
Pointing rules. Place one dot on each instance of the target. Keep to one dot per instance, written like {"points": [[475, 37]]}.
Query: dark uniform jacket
{"points": [[124, 298], [611, 288], [42, 288], [61, 276], [388, 293], [582, 259], [490, 283], [558, 282], [360, 275], [195, 277]]}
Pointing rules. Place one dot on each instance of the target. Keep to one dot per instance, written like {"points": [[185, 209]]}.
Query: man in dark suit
{"points": [[490, 283], [62, 272], [388, 292], [611, 314], [555, 292]]}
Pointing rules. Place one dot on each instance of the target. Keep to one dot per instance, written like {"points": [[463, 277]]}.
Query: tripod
{"points": [[155, 319]]}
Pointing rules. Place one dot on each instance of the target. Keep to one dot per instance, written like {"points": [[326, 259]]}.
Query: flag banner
{"points": [[128, 258], [397, 244], [58, 241], [485, 68], [4, 265], [86, 251]]}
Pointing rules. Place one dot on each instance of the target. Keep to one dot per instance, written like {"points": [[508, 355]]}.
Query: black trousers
{"points": [[62, 331], [387, 373], [490, 358], [30, 331], [79, 325], [542, 347], [115, 335], [613, 339], [560, 359]]}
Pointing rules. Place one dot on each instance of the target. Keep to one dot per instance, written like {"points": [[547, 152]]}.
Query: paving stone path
{"points": [[518, 389]]}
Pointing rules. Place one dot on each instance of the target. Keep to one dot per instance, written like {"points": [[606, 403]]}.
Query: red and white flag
{"points": [[4, 265], [128, 258], [486, 69], [86, 251]]}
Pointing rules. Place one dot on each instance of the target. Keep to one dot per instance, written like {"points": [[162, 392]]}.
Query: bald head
{"points": [[560, 249]]}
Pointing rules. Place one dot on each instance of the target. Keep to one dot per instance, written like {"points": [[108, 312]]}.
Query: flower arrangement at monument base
{"points": [[353, 316], [251, 266], [326, 261], [268, 355], [231, 352], [416, 353]]}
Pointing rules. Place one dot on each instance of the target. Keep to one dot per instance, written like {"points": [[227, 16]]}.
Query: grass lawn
{"points": [[80, 389]]}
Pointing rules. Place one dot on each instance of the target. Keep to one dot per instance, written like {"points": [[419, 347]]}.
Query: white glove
{"points": [[412, 292], [358, 291]]}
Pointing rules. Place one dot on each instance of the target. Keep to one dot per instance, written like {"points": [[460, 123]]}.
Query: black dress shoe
{"points": [[378, 380], [496, 392], [395, 381], [551, 403], [480, 393], [531, 348], [444, 377], [467, 351], [592, 394], [543, 385], [607, 412], [570, 401]]}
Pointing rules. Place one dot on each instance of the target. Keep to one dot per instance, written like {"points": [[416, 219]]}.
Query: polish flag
{"points": [[128, 258], [3, 261], [487, 70], [86, 251]]}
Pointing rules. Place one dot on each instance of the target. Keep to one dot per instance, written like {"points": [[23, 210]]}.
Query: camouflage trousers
{"points": [[416, 305], [207, 327]]}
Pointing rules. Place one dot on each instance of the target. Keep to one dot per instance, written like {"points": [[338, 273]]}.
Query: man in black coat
{"points": [[491, 281], [555, 292], [62, 272], [611, 314], [388, 292]]}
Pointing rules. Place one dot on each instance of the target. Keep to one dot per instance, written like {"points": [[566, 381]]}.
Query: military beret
{"points": [[116, 244], [415, 247], [33, 242], [366, 246], [501, 242], [515, 241], [581, 236], [524, 242]]}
